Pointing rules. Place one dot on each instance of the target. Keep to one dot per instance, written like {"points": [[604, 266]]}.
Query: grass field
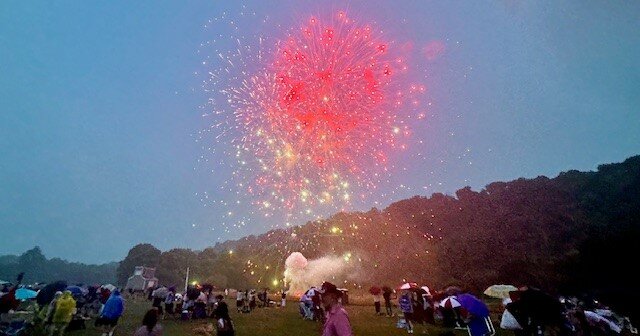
{"points": [[268, 321]]}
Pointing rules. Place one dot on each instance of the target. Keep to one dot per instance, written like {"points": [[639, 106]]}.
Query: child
{"points": [[406, 306]]}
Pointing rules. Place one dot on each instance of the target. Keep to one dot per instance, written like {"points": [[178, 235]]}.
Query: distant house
{"points": [[142, 278]]}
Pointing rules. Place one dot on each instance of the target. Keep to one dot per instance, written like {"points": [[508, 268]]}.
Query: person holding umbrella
{"points": [[376, 291], [476, 315]]}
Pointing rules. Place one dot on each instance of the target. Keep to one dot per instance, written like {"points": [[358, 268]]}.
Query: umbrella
{"points": [[75, 290], [110, 287], [473, 305], [375, 290], [426, 289], [450, 303], [499, 291], [161, 293], [409, 285], [45, 295], [25, 294]]}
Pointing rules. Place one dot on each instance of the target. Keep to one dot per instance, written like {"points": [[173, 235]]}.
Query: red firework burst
{"points": [[326, 113], [316, 116], [334, 83]]}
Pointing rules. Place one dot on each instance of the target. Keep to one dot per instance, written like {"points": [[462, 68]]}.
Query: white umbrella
{"points": [[450, 302], [426, 289], [110, 287], [409, 285], [500, 291]]}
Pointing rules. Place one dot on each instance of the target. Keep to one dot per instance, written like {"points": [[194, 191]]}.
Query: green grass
{"points": [[267, 322]]}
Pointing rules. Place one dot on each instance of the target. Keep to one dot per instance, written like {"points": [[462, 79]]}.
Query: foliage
{"points": [[38, 268]]}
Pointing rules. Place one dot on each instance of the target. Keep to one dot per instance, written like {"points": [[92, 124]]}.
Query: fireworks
{"points": [[314, 116]]}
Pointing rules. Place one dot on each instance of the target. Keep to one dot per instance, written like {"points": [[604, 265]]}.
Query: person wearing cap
{"points": [[337, 321]]}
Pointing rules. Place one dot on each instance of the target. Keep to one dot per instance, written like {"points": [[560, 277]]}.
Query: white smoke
{"points": [[300, 273]]}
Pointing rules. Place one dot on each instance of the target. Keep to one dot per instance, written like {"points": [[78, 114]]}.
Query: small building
{"points": [[142, 278]]}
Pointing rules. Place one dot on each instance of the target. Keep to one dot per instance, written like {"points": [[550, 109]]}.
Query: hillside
{"points": [[566, 234]]}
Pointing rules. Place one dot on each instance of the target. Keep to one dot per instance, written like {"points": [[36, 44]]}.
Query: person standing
{"points": [[158, 298], [386, 295], [239, 300], [211, 302], [168, 303], [283, 298], [247, 298], [337, 320], [252, 300], [63, 313], [304, 311], [150, 325], [406, 306], [376, 302], [224, 325], [113, 309]]}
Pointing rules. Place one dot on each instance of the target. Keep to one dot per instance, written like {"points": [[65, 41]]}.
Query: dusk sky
{"points": [[99, 105]]}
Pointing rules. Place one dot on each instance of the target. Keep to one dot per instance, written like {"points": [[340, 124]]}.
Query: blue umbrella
{"points": [[25, 294], [474, 306], [480, 322], [75, 290]]}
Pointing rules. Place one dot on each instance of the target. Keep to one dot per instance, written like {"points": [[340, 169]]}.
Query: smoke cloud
{"points": [[300, 273]]}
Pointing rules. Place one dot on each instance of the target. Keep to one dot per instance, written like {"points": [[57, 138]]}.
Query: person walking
{"points": [[113, 309], [65, 307], [150, 325], [337, 320], [376, 302]]}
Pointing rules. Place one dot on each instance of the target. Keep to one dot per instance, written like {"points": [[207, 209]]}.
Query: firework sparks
{"points": [[315, 117]]}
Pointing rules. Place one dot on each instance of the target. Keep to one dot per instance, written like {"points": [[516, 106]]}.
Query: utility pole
{"points": [[186, 280]]}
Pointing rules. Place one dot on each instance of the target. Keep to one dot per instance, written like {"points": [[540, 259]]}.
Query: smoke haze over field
{"points": [[300, 273]]}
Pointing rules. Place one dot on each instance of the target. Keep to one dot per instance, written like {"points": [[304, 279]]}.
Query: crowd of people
{"points": [[197, 302], [247, 300], [526, 311], [56, 308], [53, 309]]}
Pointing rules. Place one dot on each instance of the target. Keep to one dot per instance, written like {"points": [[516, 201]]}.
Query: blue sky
{"points": [[98, 104]]}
